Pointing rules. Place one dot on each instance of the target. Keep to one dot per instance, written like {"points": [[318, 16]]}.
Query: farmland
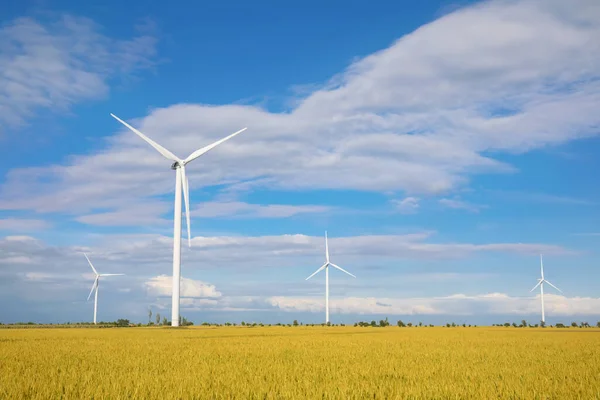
{"points": [[300, 362]]}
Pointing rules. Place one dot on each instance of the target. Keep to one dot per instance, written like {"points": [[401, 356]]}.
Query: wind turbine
{"points": [[95, 286], [181, 184], [326, 267], [540, 283]]}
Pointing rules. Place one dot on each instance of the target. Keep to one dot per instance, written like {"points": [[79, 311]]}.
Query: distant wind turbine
{"points": [[181, 183], [95, 286], [540, 283], [326, 267]]}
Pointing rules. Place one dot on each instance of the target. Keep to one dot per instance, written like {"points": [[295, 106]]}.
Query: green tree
{"points": [[149, 315], [296, 322], [598, 324], [524, 323], [542, 324], [401, 324], [122, 322], [164, 321], [157, 318]]}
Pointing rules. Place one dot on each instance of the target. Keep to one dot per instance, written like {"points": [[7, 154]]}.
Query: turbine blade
{"points": [[111, 274], [542, 266], [317, 271], [93, 287], [342, 269], [166, 153], [552, 286], [326, 248], [94, 269], [205, 149], [186, 200], [538, 284]]}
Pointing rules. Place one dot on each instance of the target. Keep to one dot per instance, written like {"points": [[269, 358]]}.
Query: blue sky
{"points": [[443, 146]]}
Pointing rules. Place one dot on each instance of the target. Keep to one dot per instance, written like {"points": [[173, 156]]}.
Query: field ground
{"points": [[300, 363]]}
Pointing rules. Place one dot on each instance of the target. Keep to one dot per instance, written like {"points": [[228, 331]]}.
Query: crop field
{"points": [[300, 363]]}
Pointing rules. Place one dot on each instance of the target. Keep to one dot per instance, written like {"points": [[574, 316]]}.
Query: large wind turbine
{"points": [[540, 283], [95, 286], [326, 267], [181, 183]]}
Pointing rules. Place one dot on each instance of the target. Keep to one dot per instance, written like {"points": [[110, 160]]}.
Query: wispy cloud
{"points": [[238, 209], [144, 213], [408, 205], [23, 225], [458, 304], [51, 64], [148, 254], [534, 197], [460, 205]]}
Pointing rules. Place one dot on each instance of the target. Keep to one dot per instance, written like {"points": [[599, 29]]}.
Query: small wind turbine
{"points": [[540, 283], [181, 183], [95, 286], [326, 267]]}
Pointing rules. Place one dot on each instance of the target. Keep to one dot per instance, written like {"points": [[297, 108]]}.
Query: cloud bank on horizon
{"points": [[418, 121]]}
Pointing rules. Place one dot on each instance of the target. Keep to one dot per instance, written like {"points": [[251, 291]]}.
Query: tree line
{"points": [[163, 321]]}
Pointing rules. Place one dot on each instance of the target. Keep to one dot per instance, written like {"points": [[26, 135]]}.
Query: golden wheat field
{"points": [[300, 363]]}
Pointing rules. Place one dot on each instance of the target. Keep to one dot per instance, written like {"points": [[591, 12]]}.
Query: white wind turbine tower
{"points": [[181, 184], [540, 283], [326, 267], [95, 286]]}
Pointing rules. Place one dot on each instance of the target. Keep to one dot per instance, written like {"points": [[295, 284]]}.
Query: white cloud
{"points": [[421, 116], [161, 286], [143, 213], [23, 224], [38, 276], [458, 304], [151, 255], [534, 197], [460, 205], [238, 209], [54, 63], [408, 205]]}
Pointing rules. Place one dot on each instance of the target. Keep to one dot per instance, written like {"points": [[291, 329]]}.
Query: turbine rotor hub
{"points": [[175, 165]]}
